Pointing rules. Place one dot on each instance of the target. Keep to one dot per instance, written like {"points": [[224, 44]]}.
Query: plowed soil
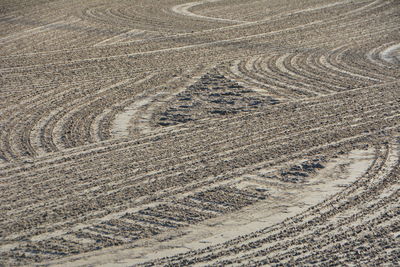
{"points": [[200, 133]]}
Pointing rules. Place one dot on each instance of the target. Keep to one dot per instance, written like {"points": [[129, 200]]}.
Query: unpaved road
{"points": [[214, 132]]}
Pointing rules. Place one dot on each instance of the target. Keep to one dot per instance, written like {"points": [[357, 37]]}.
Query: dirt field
{"points": [[201, 132]]}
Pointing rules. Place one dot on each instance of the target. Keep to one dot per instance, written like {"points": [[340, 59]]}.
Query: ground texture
{"points": [[208, 132]]}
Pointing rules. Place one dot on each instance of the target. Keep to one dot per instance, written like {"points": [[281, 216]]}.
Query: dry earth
{"points": [[207, 132]]}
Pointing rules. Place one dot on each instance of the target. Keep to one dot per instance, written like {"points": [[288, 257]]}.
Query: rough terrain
{"points": [[194, 133]]}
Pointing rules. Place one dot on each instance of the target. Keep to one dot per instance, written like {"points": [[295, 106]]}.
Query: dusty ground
{"points": [[215, 132]]}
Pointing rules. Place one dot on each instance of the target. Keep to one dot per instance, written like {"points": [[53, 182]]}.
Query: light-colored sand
{"points": [[184, 9], [122, 121], [391, 54]]}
